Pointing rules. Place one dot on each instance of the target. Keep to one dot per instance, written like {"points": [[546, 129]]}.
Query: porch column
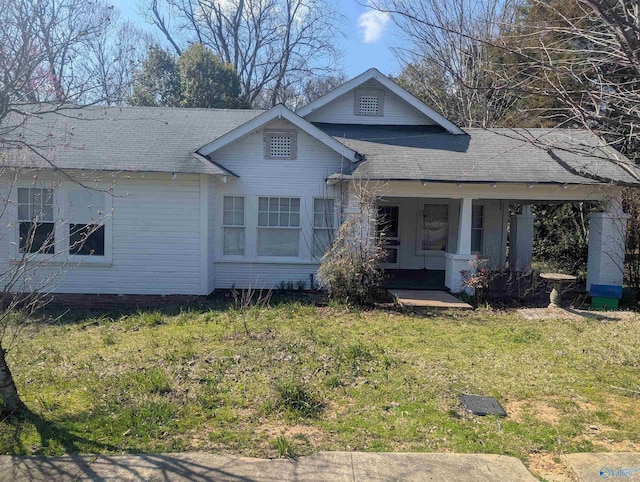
{"points": [[459, 261], [607, 234], [521, 246]]}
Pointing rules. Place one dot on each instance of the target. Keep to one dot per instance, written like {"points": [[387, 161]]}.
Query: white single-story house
{"points": [[184, 201]]}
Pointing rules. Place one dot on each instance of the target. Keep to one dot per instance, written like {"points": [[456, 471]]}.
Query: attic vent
{"points": [[369, 103], [280, 144]]}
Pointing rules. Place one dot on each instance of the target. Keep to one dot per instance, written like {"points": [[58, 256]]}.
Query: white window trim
{"points": [[481, 229], [54, 221], [62, 221], [223, 225], [270, 133], [84, 259], [283, 259], [369, 93]]}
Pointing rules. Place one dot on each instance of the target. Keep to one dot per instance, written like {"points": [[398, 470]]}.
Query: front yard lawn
{"points": [[298, 379]]}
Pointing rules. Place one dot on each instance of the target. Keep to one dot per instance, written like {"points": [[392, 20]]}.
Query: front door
{"points": [[389, 234]]}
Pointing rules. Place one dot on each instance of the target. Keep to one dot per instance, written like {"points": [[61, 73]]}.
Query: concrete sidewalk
{"points": [[604, 466], [324, 466]]}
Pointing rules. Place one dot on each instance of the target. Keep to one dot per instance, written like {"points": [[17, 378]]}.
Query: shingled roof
{"points": [[429, 153], [158, 139], [147, 139]]}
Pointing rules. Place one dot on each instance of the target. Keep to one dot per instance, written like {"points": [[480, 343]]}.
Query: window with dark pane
{"points": [[477, 228], [86, 208], [388, 221], [35, 216], [86, 239]]}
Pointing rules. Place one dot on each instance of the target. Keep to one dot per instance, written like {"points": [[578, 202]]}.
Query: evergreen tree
{"points": [[206, 81], [158, 82]]}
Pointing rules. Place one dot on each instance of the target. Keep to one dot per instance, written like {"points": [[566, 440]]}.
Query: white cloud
{"points": [[372, 25]]}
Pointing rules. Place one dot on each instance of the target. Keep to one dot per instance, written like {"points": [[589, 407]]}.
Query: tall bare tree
{"points": [[584, 54], [112, 58], [272, 44], [38, 41], [82, 52], [450, 57]]}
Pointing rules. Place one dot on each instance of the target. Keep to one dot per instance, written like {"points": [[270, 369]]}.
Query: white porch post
{"points": [[459, 260], [607, 233], [521, 246]]}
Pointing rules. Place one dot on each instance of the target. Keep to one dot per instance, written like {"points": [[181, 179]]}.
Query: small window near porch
{"points": [[233, 226], [435, 227], [477, 228], [323, 222]]}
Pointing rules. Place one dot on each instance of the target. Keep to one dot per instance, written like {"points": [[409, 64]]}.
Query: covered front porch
{"points": [[432, 230]]}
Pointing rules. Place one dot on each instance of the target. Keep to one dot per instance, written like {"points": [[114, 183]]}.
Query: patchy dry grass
{"points": [[308, 379]]}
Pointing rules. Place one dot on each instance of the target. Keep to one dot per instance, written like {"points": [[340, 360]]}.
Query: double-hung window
{"points": [[323, 222], [278, 226], [35, 216], [233, 226], [86, 222], [477, 228]]}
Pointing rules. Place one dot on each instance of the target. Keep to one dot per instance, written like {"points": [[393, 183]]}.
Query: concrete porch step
{"points": [[429, 299]]}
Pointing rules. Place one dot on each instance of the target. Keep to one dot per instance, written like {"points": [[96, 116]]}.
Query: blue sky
{"points": [[369, 36]]}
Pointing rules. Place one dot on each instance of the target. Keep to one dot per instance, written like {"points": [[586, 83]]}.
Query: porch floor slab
{"points": [[414, 279], [429, 299]]}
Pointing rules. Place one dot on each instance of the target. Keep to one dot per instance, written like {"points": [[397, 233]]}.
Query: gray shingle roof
{"points": [[496, 155], [150, 139], [158, 139]]}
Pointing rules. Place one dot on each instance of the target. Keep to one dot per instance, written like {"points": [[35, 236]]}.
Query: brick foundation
{"points": [[79, 301]]}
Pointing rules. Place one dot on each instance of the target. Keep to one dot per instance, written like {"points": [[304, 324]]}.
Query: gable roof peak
{"points": [[279, 111], [375, 74]]}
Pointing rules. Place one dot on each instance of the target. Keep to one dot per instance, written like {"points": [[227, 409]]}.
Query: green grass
{"points": [[307, 379]]}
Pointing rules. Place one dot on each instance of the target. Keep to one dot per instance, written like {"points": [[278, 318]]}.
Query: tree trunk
{"points": [[10, 402]]}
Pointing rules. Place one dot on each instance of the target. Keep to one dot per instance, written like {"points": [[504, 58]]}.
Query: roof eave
{"points": [[223, 172]]}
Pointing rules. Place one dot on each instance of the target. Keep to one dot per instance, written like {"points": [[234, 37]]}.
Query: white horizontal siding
{"points": [[493, 239], [395, 110], [303, 177], [263, 276], [211, 232], [308, 172], [155, 239]]}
